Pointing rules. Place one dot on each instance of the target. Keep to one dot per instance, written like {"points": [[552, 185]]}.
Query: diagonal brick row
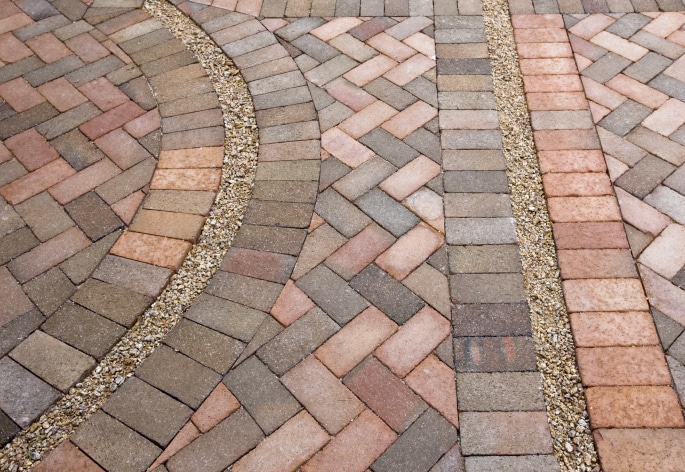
{"points": [[618, 352]]}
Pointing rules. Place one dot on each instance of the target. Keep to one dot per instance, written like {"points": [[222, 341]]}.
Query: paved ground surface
{"points": [[371, 311]]}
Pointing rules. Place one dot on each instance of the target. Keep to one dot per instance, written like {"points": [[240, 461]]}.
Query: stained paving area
{"points": [[372, 311]]}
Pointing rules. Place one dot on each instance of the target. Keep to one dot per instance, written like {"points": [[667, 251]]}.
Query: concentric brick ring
{"points": [[83, 147]]}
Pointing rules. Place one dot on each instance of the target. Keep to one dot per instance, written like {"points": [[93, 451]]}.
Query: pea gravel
{"points": [[239, 167], [563, 391]]}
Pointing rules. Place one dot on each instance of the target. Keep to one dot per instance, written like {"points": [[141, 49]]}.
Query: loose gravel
{"points": [[239, 168], [564, 396]]}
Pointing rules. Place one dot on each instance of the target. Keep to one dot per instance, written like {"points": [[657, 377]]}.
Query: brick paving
{"points": [[371, 313]]}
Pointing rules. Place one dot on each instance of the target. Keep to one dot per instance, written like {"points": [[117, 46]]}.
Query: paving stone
{"points": [[617, 448], [390, 93], [389, 147], [484, 259], [500, 391], [93, 216], [532, 463], [506, 433], [120, 305], [494, 354], [55, 362], [261, 393], [297, 341], [387, 212], [14, 332], [77, 149], [387, 294], [263, 265], [178, 376], [241, 289], [16, 301], [225, 316], [147, 410], [49, 290], [668, 329], [627, 407], [79, 267], [486, 319], [645, 176], [133, 275], [113, 445], [238, 433], [385, 394], [356, 183], [67, 456], [420, 447], [204, 345], [23, 396]]}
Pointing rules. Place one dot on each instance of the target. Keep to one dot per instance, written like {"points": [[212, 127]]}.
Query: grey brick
{"points": [[333, 114], [68, 120], [623, 150], [23, 396], [648, 67], [471, 139], [467, 66], [265, 333], [372, 8], [484, 259], [315, 48], [452, 461], [93, 216], [302, 170], [302, 131], [208, 347], [340, 213], [262, 394], [283, 214], [285, 191], [94, 70], [249, 291], [57, 363], [332, 294], [79, 267], [424, 89], [331, 69], [670, 86], [147, 410], [299, 27], [658, 45], [606, 67], [468, 205], [42, 213], [364, 177], [467, 101], [249, 44], [297, 341], [626, 117], [19, 68], [480, 231], [628, 25], [27, 119], [272, 239], [15, 331], [645, 176], [49, 290], [113, 445], [320, 97], [277, 83], [237, 434], [348, 8], [515, 433], [420, 446], [178, 375], [487, 288], [131, 180], [426, 143], [43, 26], [494, 354], [500, 391], [118, 304], [390, 93], [280, 99], [7, 428], [83, 329], [459, 22], [537, 463], [468, 181], [227, 317], [459, 36], [390, 148], [491, 319], [386, 293], [387, 212], [147, 41], [658, 145]]}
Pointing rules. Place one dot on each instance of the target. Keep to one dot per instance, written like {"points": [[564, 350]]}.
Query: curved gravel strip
{"points": [[240, 161], [566, 407]]}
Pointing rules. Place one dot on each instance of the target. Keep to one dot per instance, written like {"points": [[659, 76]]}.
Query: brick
{"points": [[435, 382], [389, 147], [84, 181], [111, 120], [556, 83], [117, 304], [25, 396], [261, 238], [93, 216], [613, 366], [49, 290], [218, 406], [385, 394], [291, 304], [44, 216], [20, 95], [259, 264], [242, 289], [103, 429], [232, 319], [505, 433], [663, 295], [57, 363], [634, 407], [478, 231], [238, 433], [17, 303], [387, 212], [83, 329], [409, 251], [617, 448], [67, 456], [500, 391], [601, 329], [513, 463], [494, 354], [303, 437], [35, 182], [420, 446], [604, 295]]}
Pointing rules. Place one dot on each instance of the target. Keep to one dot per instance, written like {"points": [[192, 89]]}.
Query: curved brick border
{"points": [[621, 363], [168, 219]]}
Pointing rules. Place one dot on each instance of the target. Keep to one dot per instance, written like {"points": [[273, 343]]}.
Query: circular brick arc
{"points": [[163, 220]]}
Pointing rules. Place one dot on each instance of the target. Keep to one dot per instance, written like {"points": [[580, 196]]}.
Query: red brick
{"points": [[410, 251], [67, 457], [61, 94], [37, 181], [111, 120], [537, 21], [31, 149], [360, 251], [216, 407], [87, 48], [581, 209], [127, 207], [553, 140], [641, 449], [542, 50], [414, 341], [191, 158], [608, 235], [604, 329], [144, 124], [634, 407], [554, 83], [435, 382], [11, 49], [48, 47], [186, 179], [604, 295], [20, 95], [576, 184], [596, 263], [155, 250], [410, 178], [291, 304], [616, 366], [103, 94], [356, 340], [573, 160], [84, 181], [357, 446]]}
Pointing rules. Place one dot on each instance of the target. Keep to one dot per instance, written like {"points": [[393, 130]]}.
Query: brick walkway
{"points": [[371, 313]]}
